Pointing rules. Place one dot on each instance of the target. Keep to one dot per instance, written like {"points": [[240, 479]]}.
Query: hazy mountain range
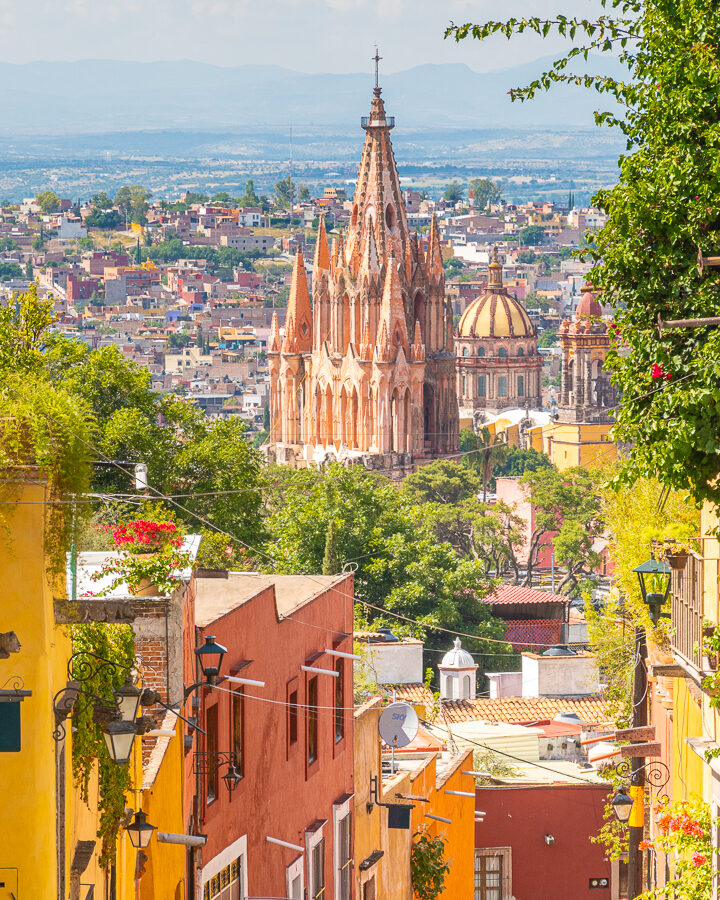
{"points": [[111, 96]]}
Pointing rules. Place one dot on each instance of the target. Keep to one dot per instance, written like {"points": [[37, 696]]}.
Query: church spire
{"points": [[392, 325], [322, 251], [298, 333], [434, 254], [274, 341]]}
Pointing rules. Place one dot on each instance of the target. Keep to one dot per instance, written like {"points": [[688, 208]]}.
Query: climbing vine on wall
{"points": [[428, 866], [89, 751]]}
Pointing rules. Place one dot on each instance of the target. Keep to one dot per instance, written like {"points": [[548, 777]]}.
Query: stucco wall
{"points": [[554, 676]]}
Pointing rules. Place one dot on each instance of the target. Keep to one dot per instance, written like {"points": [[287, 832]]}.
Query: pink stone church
{"points": [[366, 371]]}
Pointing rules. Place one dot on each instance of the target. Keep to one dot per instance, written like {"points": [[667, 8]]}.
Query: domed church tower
{"points": [[496, 344], [367, 372]]}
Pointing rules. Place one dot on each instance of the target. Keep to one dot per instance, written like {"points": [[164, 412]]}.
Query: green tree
{"points": [[48, 201], [402, 567], [303, 192], [330, 562], [9, 271], [548, 338], [249, 198], [453, 192], [562, 502], [132, 201], [284, 193], [661, 211], [108, 221], [7, 243], [517, 462], [485, 192], [101, 201], [220, 197], [532, 235]]}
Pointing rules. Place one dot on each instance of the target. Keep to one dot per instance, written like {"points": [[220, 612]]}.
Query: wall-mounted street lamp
{"points": [[622, 804], [119, 736], [232, 777], [210, 656], [654, 578], [140, 831], [127, 698]]}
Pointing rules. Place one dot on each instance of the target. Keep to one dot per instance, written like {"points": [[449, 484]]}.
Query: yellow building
{"points": [[426, 780], [34, 857], [568, 444]]}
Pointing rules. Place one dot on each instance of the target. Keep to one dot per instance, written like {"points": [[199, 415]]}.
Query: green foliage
{"points": [[108, 220], [249, 198], [428, 866], [48, 201], [485, 192], [284, 193], [494, 765], [549, 338], [303, 192], [565, 503], [484, 453], [402, 567], [113, 642], [532, 235], [7, 243], [685, 830], [663, 209], [453, 192], [330, 562], [132, 201], [218, 552], [517, 462], [101, 201]]}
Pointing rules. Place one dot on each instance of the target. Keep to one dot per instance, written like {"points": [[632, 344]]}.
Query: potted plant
{"points": [[150, 560], [675, 553]]}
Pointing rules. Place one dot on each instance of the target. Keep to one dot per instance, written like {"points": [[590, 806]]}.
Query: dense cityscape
{"points": [[361, 535]]}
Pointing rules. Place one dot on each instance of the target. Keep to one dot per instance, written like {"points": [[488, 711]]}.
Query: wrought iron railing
{"points": [[687, 611]]}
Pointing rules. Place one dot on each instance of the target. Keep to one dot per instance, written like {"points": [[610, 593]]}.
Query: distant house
{"points": [[532, 618]]}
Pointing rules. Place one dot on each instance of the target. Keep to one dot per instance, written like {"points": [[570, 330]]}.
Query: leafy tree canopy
{"points": [[664, 208], [48, 201], [485, 192], [453, 192]]}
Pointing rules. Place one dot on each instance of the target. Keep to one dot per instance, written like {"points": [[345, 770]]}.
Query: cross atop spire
{"points": [[377, 59]]}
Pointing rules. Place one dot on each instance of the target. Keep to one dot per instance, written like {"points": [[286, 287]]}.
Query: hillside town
{"points": [[366, 545]]}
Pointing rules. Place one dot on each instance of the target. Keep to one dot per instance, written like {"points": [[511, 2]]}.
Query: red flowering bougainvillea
{"points": [[684, 835], [150, 554]]}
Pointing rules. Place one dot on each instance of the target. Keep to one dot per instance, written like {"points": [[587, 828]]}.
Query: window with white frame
{"points": [[294, 879], [225, 877], [342, 849], [315, 855], [493, 873]]}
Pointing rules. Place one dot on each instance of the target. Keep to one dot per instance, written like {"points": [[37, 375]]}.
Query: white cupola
{"points": [[457, 674]]}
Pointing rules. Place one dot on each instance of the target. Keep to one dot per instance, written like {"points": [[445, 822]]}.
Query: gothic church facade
{"points": [[366, 371]]}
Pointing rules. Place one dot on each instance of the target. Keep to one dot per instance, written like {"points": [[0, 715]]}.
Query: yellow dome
{"points": [[495, 314]]}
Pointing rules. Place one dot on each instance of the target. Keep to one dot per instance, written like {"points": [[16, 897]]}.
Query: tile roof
{"points": [[513, 710], [506, 594]]}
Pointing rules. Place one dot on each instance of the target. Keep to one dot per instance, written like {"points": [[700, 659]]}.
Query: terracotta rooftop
{"points": [[513, 710], [506, 594]]}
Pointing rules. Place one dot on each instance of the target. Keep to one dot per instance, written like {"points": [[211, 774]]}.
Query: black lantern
{"points": [[140, 831], [119, 737], [127, 698], [232, 777], [654, 578], [622, 805], [210, 657]]}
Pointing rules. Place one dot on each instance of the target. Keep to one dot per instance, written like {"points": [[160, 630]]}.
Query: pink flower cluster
{"points": [[658, 372]]}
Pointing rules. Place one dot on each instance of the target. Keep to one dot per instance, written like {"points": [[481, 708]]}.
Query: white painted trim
{"points": [[312, 839], [292, 872], [340, 811], [224, 858]]}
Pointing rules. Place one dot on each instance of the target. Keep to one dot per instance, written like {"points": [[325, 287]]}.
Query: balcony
{"points": [[387, 122], [687, 613]]}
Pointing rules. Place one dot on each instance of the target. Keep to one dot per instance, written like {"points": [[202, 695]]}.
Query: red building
{"points": [[81, 288], [534, 842], [532, 618], [287, 826]]}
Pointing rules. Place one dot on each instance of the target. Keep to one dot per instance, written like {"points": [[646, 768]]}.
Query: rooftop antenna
{"points": [[377, 59]]}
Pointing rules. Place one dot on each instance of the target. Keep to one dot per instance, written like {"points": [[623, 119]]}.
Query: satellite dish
{"points": [[398, 724]]}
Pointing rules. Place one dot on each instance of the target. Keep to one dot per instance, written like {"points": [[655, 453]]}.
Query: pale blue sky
{"points": [[307, 35]]}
